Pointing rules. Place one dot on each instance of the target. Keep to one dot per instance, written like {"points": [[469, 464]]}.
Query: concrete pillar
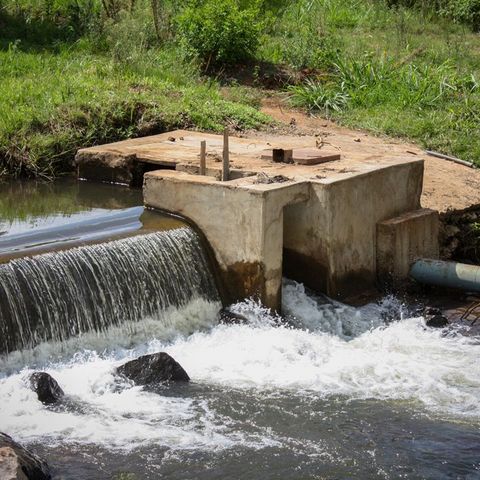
{"points": [[402, 240], [242, 223]]}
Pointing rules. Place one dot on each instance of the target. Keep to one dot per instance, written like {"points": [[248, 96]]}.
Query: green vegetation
{"points": [[80, 72], [113, 82], [402, 72], [218, 31]]}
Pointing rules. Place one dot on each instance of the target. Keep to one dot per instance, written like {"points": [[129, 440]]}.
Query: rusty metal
{"points": [[473, 310]]}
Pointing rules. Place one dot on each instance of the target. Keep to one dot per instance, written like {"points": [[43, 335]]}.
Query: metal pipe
{"points": [[446, 274], [452, 159]]}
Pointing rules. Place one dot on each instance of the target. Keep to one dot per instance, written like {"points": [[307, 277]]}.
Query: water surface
{"points": [[335, 392], [327, 392]]}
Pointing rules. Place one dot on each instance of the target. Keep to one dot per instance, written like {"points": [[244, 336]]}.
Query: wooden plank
{"points": [[226, 157], [203, 157]]}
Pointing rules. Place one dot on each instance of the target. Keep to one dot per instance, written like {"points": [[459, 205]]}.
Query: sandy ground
{"points": [[447, 185]]}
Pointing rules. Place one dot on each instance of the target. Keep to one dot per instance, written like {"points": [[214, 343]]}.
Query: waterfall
{"points": [[61, 294]]}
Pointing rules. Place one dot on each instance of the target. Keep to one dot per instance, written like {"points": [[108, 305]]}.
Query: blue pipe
{"points": [[446, 274]]}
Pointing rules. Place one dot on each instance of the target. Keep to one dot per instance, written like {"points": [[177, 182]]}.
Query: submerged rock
{"points": [[229, 317], [17, 463], [154, 368], [434, 318], [46, 387]]}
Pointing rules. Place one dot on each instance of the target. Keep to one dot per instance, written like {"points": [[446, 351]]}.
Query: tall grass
{"points": [[402, 71]]}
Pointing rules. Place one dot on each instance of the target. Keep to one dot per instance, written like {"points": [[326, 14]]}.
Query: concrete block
{"points": [[243, 224], [330, 242], [402, 240]]}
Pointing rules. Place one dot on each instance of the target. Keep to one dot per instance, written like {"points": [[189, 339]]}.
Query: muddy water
{"points": [[328, 392], [37, 217]]}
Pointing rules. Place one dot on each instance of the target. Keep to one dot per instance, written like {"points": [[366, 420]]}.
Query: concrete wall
{"points": [[244, 226], [322, 232], [404, 239], [330, 243]]}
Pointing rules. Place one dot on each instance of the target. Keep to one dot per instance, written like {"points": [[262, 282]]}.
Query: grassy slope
{"points": [[57, 96], [401, 72]]}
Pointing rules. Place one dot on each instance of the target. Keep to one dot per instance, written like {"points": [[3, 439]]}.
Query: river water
{"points": [[327, 392]]}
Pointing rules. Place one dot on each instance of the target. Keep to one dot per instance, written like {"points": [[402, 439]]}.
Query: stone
{"points": [[228, 317], [46, 387], [434, 318], [450, 231], [154, 368], [17, 463]]}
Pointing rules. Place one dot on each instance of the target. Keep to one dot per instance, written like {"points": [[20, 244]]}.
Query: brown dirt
{"points": [[447, 185]]}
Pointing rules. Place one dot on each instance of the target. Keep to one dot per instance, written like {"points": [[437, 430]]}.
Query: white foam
{"points": [[198, 314], [394, 360], [403, 361]]}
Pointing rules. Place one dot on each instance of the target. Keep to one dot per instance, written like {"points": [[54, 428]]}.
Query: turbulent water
{"points": [[328, 392], [58, 295]]}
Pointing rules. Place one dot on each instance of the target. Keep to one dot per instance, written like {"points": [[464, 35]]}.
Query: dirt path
{"points": [[447, 185]]}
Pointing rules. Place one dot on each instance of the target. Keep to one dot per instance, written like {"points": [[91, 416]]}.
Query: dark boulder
{"points": [[229, 317], [17, 463], [46, 387], [434, 318], [155, 368]]}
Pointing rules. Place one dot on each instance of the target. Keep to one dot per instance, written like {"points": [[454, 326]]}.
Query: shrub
{"points": [[219, 31], [465, 11]]}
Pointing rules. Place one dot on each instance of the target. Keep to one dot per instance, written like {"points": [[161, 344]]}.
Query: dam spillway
{"points": [[58, 295]]}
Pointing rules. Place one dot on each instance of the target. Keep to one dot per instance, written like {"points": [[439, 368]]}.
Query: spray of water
{"points": [[324, 350], [59, 295]]}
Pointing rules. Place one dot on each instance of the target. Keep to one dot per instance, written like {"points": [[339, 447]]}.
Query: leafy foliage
{"points": [[219, 31]]}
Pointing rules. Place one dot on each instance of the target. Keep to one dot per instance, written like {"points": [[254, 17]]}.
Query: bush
{"points": [[463, 11], [219, 31], [467, 11]]}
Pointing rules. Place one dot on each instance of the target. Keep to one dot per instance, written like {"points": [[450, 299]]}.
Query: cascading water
{"points": [[332, 392], [58, 295], [327, 391]]}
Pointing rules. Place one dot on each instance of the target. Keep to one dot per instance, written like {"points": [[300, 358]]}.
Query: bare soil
{"points": [[447, 185]]}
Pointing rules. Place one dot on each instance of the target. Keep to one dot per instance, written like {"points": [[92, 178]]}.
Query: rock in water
{"points": [[46, 387], [434, 318], [17, 463], [229, 317], [155, 368]]}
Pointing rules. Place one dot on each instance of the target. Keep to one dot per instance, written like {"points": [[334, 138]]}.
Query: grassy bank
{"points": [[63, 90], [52, 103], [403, 72], [72, 75]]}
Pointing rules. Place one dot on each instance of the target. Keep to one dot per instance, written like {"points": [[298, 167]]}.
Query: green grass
{"points": [[402, 72], [70, 77], [60, 96], [53, 103]]}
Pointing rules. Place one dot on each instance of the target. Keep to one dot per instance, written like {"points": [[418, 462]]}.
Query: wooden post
{"points": [[226, 158], [203, 157]]}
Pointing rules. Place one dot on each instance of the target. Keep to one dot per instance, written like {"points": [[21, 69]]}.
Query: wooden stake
{"points": [[226, 158], [203, 157]]}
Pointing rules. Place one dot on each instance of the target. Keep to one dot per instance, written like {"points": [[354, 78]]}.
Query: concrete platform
{"points": [[314, 223], [124, 161]]}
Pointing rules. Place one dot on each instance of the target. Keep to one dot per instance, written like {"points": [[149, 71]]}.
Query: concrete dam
{"points": [[91, 281], [339, 222]]}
